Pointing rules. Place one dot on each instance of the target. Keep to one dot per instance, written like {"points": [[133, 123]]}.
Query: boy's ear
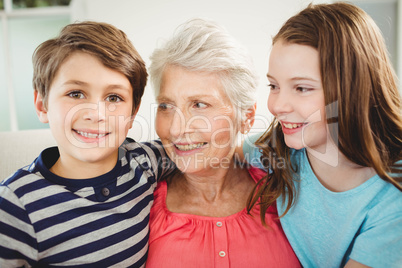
{"points": [[134, 114], [40, 108], [249, 122]]}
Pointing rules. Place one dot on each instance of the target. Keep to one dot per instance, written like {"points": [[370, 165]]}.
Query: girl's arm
{"points": [[354, 264], [249, 152]]}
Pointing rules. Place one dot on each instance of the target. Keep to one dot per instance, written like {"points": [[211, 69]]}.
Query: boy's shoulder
{"points": [[131, 145], [25, 176], [150, 149], [149, 155], [20, 174]]}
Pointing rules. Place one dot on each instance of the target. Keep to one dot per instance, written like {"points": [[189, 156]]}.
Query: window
{"points": [[39, 3], [385, 14], [24, 25]]}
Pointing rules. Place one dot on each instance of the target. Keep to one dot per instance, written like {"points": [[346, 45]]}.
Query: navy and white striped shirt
{"points": [[46, 220]]}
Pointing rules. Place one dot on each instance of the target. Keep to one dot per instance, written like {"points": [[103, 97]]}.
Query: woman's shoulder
{"points": [[160, 193]]}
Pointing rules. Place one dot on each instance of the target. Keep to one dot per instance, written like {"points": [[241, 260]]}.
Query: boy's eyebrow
{"points": [[119, 87], [74, 82], [82, 83]]}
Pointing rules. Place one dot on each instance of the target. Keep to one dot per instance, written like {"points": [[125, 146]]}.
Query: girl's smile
{"points": [[290, 128]]}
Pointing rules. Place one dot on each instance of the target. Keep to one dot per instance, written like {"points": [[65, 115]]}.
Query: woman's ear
{"points": [[249, 120], [40, 108]]}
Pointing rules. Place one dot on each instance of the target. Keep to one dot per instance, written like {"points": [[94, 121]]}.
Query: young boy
{"points": [[87, 201]]}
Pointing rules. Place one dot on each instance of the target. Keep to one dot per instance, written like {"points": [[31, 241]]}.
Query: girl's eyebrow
{"points": [[304, 78], [298, 78]]}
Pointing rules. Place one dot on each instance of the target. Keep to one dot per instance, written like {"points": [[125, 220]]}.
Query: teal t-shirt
{"points": [[327, 228]]}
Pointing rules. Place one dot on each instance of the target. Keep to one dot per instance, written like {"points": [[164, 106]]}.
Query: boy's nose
{"points": [[96, 112]]}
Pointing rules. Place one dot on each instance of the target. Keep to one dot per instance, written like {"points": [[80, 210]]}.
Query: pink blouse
{"points": [[239, 240]]}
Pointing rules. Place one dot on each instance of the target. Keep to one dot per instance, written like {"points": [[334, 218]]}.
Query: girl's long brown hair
{"points": [[363, 105]]}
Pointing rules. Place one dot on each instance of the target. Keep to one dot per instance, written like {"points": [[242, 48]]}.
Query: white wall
{"points": [[147, 23]]}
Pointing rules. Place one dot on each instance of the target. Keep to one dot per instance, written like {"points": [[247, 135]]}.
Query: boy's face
{"points": [[89, 110]]}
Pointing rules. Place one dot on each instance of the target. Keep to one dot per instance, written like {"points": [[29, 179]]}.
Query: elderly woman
{"points": [[205, 87]]}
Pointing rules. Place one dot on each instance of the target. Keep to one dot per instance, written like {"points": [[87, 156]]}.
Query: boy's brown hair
{"points": [[104, 41]]}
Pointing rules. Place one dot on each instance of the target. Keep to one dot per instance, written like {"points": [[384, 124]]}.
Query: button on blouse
{"points": [[239, 240]]}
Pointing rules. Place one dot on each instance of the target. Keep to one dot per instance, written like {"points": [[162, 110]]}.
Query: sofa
{"points": [[20, 148]]}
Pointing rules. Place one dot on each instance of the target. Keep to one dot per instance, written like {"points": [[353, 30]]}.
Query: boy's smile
{"points": [[89, 110], [90, 135]]}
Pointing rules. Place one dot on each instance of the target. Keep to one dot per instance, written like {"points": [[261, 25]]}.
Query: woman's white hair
{"points": [[203, 45]]}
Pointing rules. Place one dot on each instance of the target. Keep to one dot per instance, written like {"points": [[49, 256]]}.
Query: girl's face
{"points": [[296, 98]]}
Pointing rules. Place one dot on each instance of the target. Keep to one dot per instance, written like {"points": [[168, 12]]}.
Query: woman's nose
{"points": [[178, 124]]}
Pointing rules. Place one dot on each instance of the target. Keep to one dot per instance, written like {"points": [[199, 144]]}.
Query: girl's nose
{"points": [[280, 103]]}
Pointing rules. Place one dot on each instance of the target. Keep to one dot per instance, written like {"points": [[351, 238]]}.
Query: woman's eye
{"points": [[76, 95], [164, 106], [113, 98], [200, 105]]}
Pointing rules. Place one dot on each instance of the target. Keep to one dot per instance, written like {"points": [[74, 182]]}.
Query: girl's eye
{"points": [[114, 98], [76, 95], [200, 105], [303, 89], [164, 106], [272, 87]]}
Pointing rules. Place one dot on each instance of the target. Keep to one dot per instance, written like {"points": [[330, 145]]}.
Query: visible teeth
{"points": [[290, 125], [90, 135], [189, 147]]}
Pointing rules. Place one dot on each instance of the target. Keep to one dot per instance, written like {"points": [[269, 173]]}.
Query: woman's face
{"points": [[296, 98], [195, 121]]}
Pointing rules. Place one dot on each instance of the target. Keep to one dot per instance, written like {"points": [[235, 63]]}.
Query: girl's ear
{"points": [[249, 121], [40, 108]]}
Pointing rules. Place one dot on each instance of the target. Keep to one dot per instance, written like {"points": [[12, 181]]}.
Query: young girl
{"points": [[336, 137]]}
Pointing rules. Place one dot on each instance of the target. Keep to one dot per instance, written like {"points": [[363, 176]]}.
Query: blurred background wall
{"points": [[25, 24]]}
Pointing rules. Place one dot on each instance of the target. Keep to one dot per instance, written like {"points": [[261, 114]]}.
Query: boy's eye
{"points": [[76, 95], [113, 98]]}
